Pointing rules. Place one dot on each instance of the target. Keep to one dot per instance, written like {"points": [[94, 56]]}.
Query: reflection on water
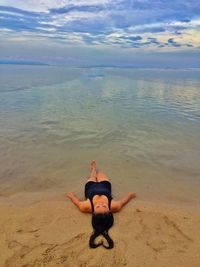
{"points": [[142, 126]]}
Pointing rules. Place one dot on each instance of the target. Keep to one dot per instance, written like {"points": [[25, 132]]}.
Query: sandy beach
{"points": [[54, 233], [117, 82]]}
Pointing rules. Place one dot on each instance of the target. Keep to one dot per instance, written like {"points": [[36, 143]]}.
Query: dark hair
{"points": [[101, 223]]}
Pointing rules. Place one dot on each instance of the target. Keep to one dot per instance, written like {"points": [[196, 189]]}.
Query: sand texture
{"points": [[54, 233]]}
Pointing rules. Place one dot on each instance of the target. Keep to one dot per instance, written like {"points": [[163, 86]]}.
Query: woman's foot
{"points": [[93, 165]]}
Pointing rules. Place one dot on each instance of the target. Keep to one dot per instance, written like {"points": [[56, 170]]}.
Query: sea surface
{"points": [[141, 125]]}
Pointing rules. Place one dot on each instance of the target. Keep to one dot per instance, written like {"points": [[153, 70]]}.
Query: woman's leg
{"points": [[101, 177], [93, 174]]}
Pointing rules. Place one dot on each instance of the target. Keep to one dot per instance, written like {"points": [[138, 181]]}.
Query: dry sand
{"points": [[54, 233]]}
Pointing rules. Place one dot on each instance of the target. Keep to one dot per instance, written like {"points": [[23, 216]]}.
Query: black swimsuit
{"points": [[98, 188]]}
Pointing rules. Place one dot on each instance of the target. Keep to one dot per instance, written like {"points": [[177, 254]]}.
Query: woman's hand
{"points": [[131, 195], [74, 199], [70, 195], [123, 201]]}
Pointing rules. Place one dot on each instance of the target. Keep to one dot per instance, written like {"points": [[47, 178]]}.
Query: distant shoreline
{"points": [[95, 66], [23, 63]]}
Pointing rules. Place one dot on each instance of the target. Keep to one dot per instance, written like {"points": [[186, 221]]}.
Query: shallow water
{"points": [[141, 125]]}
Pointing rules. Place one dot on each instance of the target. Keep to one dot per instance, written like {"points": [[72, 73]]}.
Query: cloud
{"points": [[72, 8], [144, 24], [153, 40], [173, 43], [46, 5]]}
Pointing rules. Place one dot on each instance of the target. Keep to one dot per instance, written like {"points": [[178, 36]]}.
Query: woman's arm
{"points": [[82, 205], [117, 205], [127, 198], [73, 198]]}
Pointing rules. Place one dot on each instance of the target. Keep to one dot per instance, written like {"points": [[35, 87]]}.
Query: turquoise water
{"points": [[141, 125]]}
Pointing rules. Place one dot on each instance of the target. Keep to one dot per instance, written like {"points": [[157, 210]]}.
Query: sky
{"points": [[101, 32]]}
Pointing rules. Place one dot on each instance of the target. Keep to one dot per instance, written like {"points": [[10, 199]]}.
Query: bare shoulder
{"points": [[115, 205], [85, 206]]}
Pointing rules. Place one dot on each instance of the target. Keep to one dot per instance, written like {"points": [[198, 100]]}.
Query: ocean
{"points": [[142, 126]]}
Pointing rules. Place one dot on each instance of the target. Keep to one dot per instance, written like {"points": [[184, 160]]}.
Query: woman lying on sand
{"points": [[99, 202]]}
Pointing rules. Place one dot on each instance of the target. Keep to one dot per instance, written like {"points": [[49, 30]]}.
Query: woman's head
{"points": [[101, 207], [101, 223]]}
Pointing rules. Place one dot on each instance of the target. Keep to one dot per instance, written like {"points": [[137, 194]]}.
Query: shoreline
{"points": [[26, 199], [52, 232]]}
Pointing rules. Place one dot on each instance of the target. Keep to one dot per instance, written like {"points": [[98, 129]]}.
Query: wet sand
{"points": [[54, 233]]}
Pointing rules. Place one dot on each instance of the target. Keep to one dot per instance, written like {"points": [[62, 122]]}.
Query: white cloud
{"points": [[44, 5], [46, 29]]}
